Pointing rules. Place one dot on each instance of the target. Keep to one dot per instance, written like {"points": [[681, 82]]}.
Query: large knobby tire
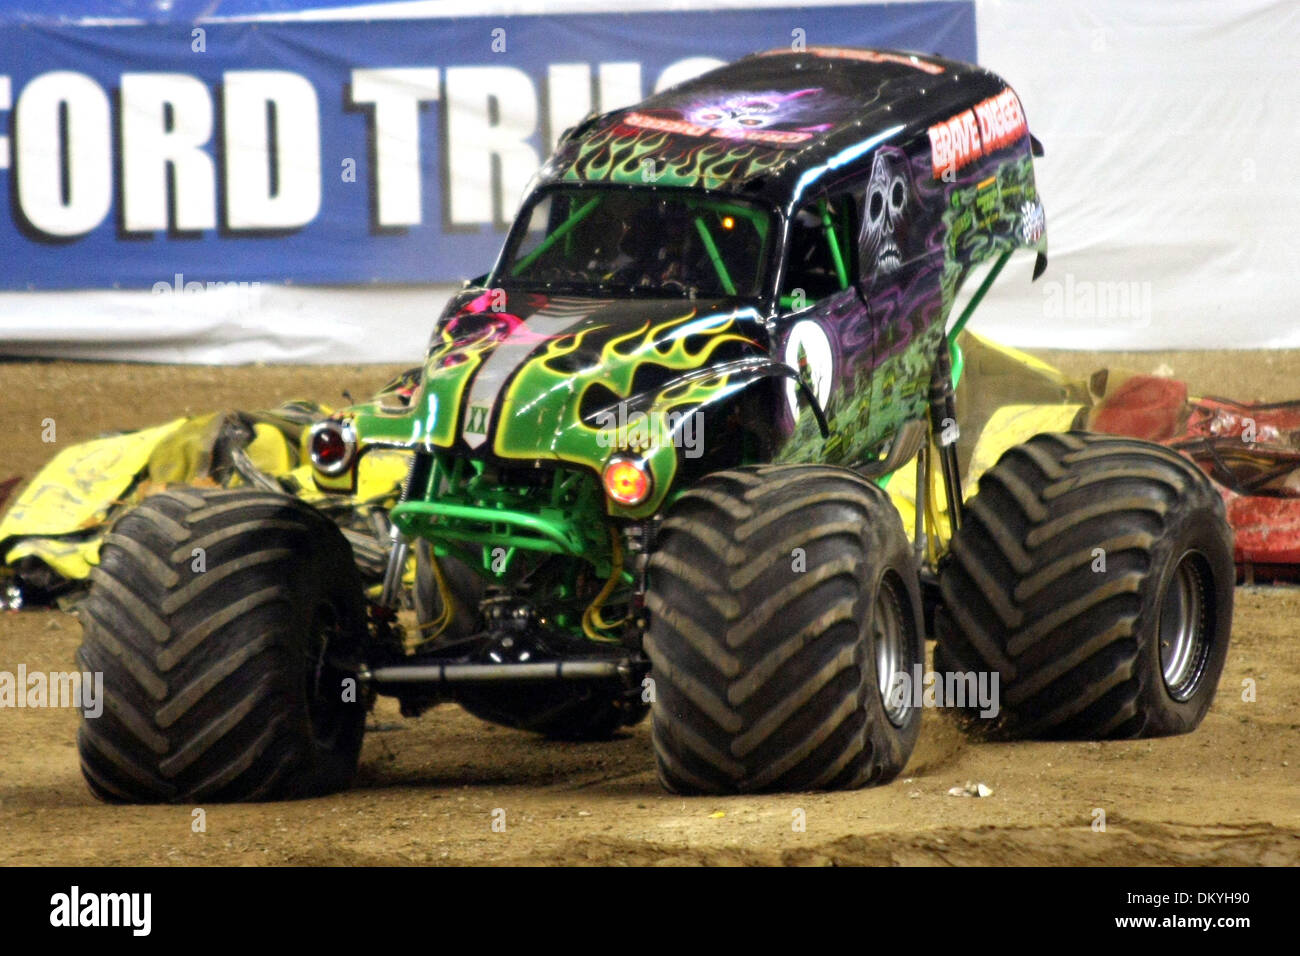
{"points": [[229, 626], [560, 711], [784, 606], [1094, 575]]}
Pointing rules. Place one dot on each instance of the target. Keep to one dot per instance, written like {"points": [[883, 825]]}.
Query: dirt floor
{"points": [[429, 789]]}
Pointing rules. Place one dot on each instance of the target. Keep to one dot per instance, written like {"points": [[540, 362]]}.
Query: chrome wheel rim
{"points": [[1181, 628], [889, 637]]}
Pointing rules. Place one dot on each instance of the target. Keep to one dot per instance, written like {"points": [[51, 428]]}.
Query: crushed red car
{"points": [[1250, 450]]}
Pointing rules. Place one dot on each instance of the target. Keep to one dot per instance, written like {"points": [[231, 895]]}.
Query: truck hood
{"points": [[536, 376]]}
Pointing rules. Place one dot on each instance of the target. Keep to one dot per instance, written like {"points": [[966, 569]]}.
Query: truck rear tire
{"points": [[1095, 575], [785, 611], [229, 626]]}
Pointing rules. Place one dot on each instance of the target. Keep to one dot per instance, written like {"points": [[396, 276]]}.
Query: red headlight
{"points": [[333, 446], [627, 480]]}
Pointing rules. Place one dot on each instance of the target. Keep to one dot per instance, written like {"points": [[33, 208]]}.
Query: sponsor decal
{"points": [[1032, 221], [960, 140]]}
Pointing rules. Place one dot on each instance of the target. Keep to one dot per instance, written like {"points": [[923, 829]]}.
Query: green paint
{"points": [[619, 155], [539, 410]]}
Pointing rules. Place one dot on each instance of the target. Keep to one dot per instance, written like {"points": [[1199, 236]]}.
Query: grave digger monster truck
{"points": [[646, 459]]}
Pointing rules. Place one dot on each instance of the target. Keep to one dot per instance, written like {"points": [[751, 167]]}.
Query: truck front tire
{"points": [[229, 627], [785, 620]]}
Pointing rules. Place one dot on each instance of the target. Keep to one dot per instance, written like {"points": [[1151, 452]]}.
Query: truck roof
{"points": [[772, 124]]}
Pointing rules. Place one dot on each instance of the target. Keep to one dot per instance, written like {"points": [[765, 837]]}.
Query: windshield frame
{"points": [[770, 260]]}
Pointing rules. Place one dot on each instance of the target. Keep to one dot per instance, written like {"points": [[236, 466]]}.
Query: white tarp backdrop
{"points": [[1172, 199]]}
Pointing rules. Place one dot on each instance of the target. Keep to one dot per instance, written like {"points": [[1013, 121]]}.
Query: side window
{"points": [[821, 256]]}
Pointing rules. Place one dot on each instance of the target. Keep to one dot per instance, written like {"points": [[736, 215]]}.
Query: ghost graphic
{"points": [[885, 216]]}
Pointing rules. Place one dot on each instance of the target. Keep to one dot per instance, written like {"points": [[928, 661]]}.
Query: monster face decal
{"points": [[774, 119], [734, 116], [705, 136], [886, 213]]}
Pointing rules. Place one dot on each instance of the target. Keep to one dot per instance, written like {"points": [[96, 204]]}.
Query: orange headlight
{"points": [[626, 480]]}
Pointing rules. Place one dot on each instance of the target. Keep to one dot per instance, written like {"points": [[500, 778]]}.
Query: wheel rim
{"points": [[889, 637], [1181, 629], [324, 680]]}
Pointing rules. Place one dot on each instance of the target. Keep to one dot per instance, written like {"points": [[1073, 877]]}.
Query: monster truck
{"points": [[647, 453]]}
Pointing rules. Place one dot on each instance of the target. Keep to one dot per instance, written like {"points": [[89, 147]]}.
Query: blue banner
{"points": [[391, 151]]}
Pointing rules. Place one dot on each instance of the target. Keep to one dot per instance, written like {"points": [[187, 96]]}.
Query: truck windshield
{"points": [[640, 241]]}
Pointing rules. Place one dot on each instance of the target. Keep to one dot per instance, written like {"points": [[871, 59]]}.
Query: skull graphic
{"points": [[884, 219], [738, 113], [750, 111]]}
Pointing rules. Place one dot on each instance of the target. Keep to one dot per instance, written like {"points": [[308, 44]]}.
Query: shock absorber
{"points": [[638, 541], [416, 480], [943, 424]]}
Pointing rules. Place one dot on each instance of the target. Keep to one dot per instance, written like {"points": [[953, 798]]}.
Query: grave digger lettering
{"points": [[991, 124]]}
